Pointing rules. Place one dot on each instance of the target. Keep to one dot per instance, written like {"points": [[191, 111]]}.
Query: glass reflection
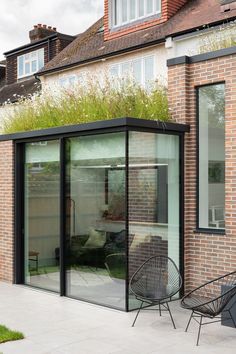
{"points": [[42, 182], [96, 219], [153, 199]]}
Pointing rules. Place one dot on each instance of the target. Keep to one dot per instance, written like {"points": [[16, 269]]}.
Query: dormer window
{"points": [[126, 11], [28, 64]]}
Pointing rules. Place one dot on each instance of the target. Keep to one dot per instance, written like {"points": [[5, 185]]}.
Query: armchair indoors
{"points": [[115, 264], [210, 300], [155, 282]]}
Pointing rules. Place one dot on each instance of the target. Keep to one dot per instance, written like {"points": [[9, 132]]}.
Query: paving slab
{"points": [[59, 325]]}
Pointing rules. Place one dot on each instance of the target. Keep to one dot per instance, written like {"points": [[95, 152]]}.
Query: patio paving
{"points": [[58, 325]]}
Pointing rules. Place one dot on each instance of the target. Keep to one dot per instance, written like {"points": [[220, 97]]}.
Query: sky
{"points": [[17, 18]]}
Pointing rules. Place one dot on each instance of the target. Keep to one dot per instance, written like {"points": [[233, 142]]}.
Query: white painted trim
{"points": [[137, 18]]}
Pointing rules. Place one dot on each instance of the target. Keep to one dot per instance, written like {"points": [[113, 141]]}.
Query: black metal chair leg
{"points": [[170, 315], [137, 314], [186, 329], [160, 309], [199, 330], [233, 320]]}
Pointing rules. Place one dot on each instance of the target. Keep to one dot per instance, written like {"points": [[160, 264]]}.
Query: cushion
{"points": [[96, 239]]}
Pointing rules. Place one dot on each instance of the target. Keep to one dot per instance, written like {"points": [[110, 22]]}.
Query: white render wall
{"points": [[100, 69]]}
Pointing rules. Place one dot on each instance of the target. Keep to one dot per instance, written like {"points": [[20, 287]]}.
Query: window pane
{"points": [[33, 55], [21, 65], [40, 59], [149, 4], [212, 156], [42, 215], [34, 66], [114, 71], [137, 71], [132, 9], [96, 231], [72, 80], [153, 199], [125, 69], [124, 10], [27, 68], [158, 5], [148, 70], [141, 8], [115, 12]]}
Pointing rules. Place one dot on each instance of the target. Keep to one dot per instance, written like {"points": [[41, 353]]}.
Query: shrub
{"points": [[223, 37], [87, 104]]}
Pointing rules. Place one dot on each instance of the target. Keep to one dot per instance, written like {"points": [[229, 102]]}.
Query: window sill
{"points": [[210, 231]]}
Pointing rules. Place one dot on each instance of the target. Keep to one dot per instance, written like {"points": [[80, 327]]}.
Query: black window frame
{"points": [[125, 125], [203, 230]]}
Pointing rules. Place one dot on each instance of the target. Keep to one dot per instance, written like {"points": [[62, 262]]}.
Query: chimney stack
{"points": [[41, 31]]}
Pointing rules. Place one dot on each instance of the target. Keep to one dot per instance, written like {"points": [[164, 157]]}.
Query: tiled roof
{"points": [[91, 45], [12, 93]]}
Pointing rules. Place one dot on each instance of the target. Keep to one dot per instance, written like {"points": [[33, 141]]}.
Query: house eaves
{"points": [[38, 43]]}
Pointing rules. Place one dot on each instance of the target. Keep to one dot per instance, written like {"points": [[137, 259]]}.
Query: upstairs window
{"points": [[28, 64], [126, 11], [141, 70]]}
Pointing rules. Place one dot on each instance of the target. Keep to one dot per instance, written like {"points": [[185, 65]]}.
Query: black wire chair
{"points": [[155, 282], [210, 300]]}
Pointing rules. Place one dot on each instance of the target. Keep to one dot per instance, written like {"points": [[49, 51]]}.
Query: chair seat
{"points": [[154, 295], [201, 304]]}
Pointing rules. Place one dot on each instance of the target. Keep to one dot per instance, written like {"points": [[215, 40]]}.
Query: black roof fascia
{"points": [[202, 57], [37, 43], [99, 125]]}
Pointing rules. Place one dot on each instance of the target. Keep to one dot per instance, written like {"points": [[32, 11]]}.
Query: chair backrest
{"points": [[156, 279], [215, 294]]}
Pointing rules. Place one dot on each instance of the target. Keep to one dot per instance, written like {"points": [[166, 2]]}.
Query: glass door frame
{"points": [[168, 129]]}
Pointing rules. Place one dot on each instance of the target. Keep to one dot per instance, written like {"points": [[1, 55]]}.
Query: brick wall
{"points": [[6, 211], [206, 255], [168, 9]]}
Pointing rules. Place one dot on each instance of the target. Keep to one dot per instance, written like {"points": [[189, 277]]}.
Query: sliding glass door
{"points": [[42, 216], [95, 208], [95, 219], [154, 199]]}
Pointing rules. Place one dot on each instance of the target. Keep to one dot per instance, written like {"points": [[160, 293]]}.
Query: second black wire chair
{"points": [[155, 283], [210, 300]]}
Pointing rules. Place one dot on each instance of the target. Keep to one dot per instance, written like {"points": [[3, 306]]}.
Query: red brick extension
{"points": [[6, 211], [169, 8], [206, 255]]}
